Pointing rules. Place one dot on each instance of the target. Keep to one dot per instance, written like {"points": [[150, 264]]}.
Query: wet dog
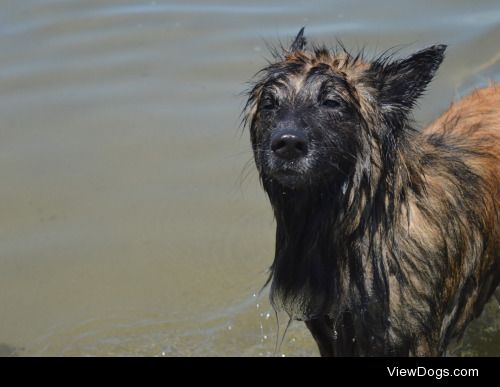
{"points": [[388, 238]]}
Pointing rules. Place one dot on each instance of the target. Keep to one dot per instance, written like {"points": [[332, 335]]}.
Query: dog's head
{"points": [[312, 113]]}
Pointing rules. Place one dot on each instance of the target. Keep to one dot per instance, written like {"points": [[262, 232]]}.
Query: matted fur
{"points": [[388, 238]]}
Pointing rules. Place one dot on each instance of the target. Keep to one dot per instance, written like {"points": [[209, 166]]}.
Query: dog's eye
{"points": [[331, 103], [269, 103]]}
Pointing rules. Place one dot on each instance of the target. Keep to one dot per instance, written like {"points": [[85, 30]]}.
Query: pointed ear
{"points": [[403, 81], [299, 42]]}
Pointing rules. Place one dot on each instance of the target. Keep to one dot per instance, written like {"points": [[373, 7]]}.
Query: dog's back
{"points": [[473, 123], [460, 212], [471, 128]]}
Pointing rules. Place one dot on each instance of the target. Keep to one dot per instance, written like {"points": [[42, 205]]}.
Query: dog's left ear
{"points": [[299, 42], [401, 82]]}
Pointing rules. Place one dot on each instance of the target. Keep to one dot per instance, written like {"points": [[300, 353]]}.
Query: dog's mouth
{"points": [[290, 179], [292, 174], [304, 172]]}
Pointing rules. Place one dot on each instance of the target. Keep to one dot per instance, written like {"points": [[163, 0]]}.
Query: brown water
{"points": [[128, 224]]}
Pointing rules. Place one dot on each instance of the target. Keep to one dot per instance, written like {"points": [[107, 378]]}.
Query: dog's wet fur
{"points": [[388, 238]]}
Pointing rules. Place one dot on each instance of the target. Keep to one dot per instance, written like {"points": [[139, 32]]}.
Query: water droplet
{"points": [[283, 355], [229, 327], [335, 335], [258, 305], [268, 315], [265, 337]]}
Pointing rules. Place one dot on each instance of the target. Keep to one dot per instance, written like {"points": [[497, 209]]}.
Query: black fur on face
{"points": [[321, 109]]}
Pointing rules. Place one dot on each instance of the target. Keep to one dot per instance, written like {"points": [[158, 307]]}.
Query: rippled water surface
{"points": [[129, 225]]}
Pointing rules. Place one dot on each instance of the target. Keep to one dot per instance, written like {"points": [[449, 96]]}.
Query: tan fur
{"points": [[473, 124]]}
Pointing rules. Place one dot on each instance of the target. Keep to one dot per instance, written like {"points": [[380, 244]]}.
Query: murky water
{"points": [[129, 225]]}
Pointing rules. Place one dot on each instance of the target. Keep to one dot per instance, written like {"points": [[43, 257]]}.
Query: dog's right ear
{"points": [[299, 42]]}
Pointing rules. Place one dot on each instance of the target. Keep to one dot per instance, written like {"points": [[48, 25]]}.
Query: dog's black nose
{"points": [[289, 144]]}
